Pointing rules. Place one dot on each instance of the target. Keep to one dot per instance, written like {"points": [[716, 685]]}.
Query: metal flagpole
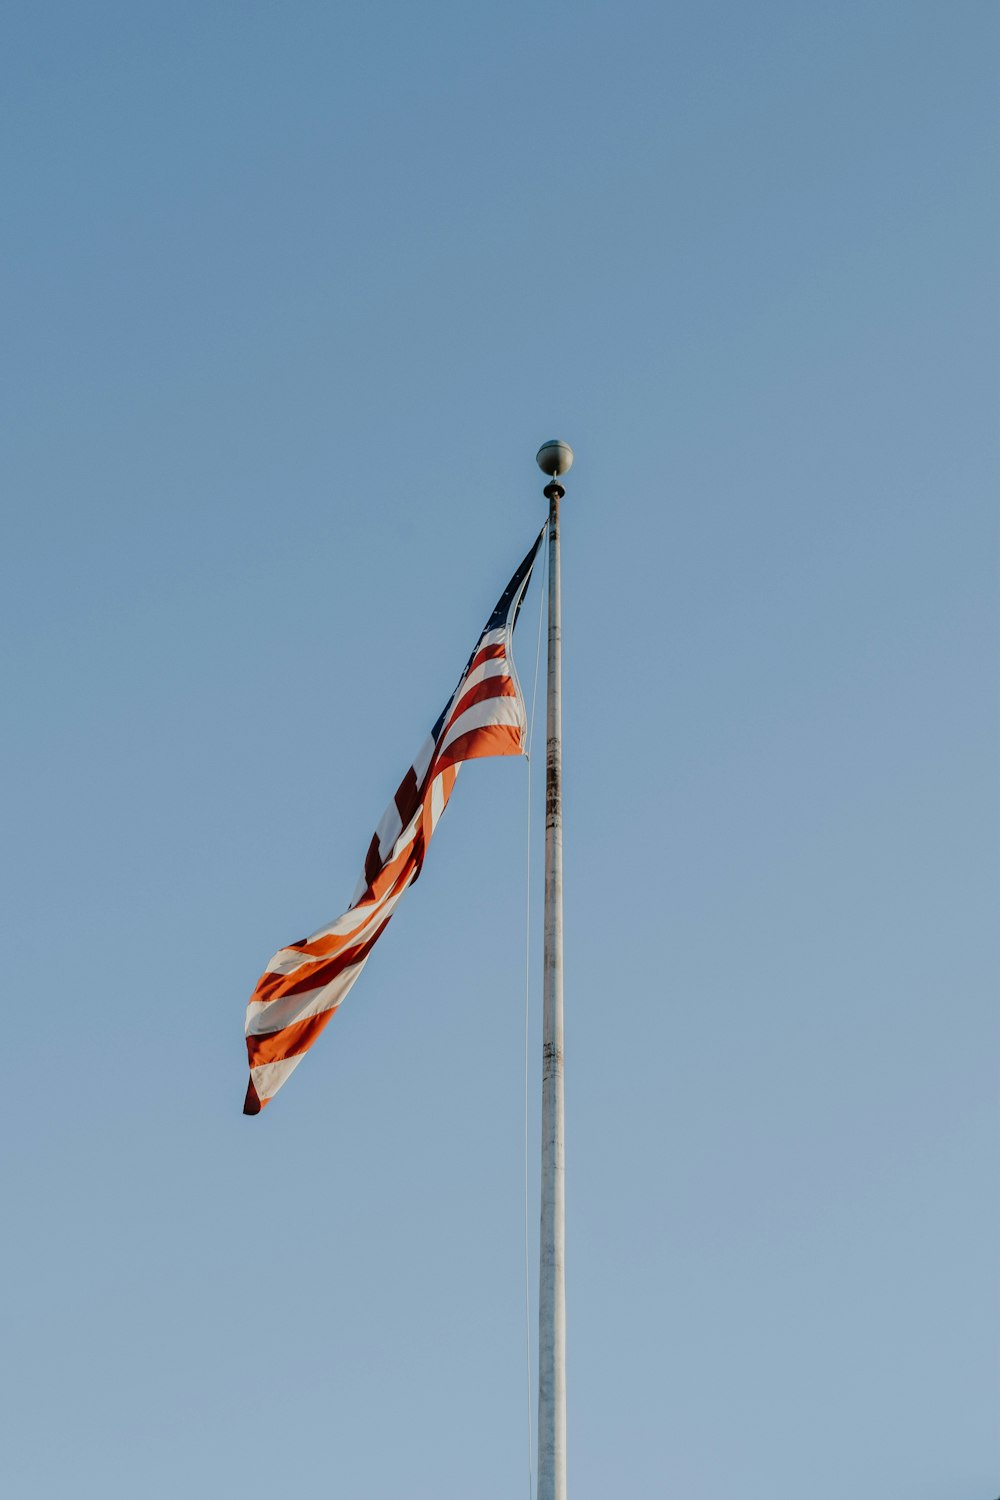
{"points": [[554, 458]]}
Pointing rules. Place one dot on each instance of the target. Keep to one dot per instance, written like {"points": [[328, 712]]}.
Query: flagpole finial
{"points": [[554, 458]]}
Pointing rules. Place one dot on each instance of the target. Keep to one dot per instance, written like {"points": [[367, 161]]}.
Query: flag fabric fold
{"points": [[304, 984]]}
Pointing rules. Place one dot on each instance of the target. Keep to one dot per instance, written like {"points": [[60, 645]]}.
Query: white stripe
{"points": [[345, 924], [373, 909], [268, 1078], [491, 638], [267, 1016], [481, 715], [495, 667], [437, 801], [390, 826], [290, 959], [354, 924], [474, 679], [423, 759]]}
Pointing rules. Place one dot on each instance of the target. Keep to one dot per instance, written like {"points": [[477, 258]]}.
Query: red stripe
{"points": [[334, 942], [267, 985], [488, 653], [324, 947], [315, 976], [373, 860], [276, 1046], [492, 739], [407, 797], [490, 687], [393, 874], [387, 879]]}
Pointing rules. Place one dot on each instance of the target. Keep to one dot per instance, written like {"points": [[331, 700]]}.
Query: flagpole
{"points": [[554, 458]]}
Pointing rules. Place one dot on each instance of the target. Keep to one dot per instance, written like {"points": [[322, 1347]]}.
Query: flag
{"points": [[305, 983]]}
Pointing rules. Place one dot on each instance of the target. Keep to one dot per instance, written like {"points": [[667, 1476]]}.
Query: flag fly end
{"points": [[252, 1104]]}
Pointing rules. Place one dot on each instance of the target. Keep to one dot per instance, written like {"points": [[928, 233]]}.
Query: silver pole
{"points": [[552, 1285]]}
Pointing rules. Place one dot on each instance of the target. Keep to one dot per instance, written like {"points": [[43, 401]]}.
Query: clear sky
{"points": [[292, 295]]}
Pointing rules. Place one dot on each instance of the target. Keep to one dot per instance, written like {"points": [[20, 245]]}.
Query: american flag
{"points": [[305, 983]]}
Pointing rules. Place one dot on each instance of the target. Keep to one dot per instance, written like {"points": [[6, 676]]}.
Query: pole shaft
{"points": [[552, 1288]]}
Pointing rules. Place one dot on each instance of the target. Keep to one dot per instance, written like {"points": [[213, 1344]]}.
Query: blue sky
{"points": [[292, 295]]}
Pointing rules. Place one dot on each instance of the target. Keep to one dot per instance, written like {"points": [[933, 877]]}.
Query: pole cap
{"points": [[554, 457]]}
